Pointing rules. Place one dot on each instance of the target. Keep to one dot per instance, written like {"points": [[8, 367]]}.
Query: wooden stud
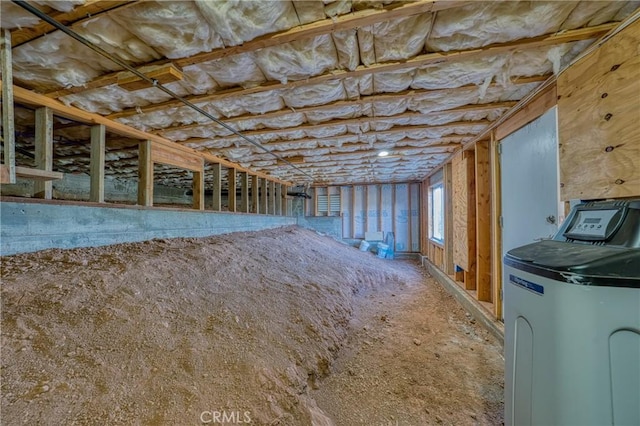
{"points": [[145, 174], [264, 200], [470, 280], [353, 211], [278, 200], [409, 224], [244, 192], [393, 212], [483, 221], [216, 169], [284, 205], [231, 179], [255, 191], [496, 228], [44, 152], [379, 207], [365, 209], [448, 219], [198, 189], [272, 197], [98, 141], [8, 121]]}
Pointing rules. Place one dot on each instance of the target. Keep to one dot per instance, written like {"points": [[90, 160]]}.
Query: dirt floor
{"points": [[279, 327]]}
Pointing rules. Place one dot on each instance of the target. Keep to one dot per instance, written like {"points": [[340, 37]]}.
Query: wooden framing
{"points": [[496, 228], [216, 171], [198, 189], [36, 174], [272, 197], [283, 200], [278, 200], [8, 122], [145, 174], [544, 101], [163, 74], [98, 141], [244, 192], [448, 219], [164, 154], [483, 221], [264, 200], [231, 196], [43, 152], [255, 194]]}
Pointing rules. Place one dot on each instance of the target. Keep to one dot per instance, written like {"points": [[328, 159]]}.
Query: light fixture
{"points": [[383, 153]]}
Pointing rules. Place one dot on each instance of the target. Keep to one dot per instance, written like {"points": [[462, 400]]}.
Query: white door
{"points": [[530, 183]]}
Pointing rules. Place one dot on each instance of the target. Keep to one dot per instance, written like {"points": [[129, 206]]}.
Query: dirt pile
{"points": [[173, 331]]}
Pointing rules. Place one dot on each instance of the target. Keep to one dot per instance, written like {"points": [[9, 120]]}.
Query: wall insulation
{"points": [[369, 208]]}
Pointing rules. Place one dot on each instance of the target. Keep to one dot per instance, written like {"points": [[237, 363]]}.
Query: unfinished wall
{"points": [[598, 113], [368, 208], [30, 226]]}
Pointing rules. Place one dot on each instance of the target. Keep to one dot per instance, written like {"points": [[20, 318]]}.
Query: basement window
{"points": [[328, 204], [436, 213]]}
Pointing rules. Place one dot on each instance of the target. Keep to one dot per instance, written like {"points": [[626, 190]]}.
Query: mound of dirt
{"points": [[243, 326]]}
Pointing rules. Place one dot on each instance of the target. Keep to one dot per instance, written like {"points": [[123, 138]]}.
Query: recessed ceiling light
{"points": [[383, 153]]}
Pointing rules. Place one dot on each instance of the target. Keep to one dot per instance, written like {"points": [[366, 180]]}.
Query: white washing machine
{"points": [[572, 322]]}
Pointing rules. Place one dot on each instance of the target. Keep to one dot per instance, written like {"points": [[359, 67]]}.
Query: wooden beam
{"points": [[329, 25], [417, 61], [216, 169], [44, 151], [29, 98], [98, 141], [37, 174], [264, 201], [534, 109], [278, 200], [244, 192], [448, 219], [163, 74], [231, 196], [255, 193], [272, 197], [89, 10], [164, 154], [483, 221], [496, 228], [470, 280], [283, 200], [198, 189], [8, 121], [145, 174]]}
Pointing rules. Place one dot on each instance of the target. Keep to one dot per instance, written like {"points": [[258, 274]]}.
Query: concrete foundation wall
{"points": [[29, 226], [327, 225]]}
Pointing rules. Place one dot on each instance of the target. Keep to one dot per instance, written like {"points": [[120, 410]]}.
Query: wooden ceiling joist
{"points": [[417, 61], [89, 10]]}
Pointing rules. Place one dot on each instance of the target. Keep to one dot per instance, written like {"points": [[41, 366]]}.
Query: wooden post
{"points": [[264, 203], [448, 219], [244, 192], [278, 200], [272, 197], [496, 228], [255, 191], [98, 136], [483, 222], [145, 174], [216, 168], [198, 189], [8, 122], [283, 201], [44, 151], [470, 274], [353, 212], [232, 189]]}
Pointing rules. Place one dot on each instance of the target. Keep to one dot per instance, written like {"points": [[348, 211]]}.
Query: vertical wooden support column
{"points": [[264, 201], [365, 210], [232, 189], [424, 218], [216, 169], [393, 210], [8, 123], [496, 228], [379, 207], [44, 151], [283, 201], [278, 200], [145, 174], [255, 191], [244, 192], [98, 140], [198, 189], [448, 219], [272, 197], [353, 212], [483, 222]]}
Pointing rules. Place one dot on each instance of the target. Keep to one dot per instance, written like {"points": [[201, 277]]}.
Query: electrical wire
{"points": [[154, 83]]}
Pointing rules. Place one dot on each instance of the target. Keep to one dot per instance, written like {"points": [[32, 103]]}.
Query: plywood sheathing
{"points": [[315, 79]]}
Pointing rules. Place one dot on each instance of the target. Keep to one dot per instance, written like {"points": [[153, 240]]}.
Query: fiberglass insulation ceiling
{"points": [[335, 98]]}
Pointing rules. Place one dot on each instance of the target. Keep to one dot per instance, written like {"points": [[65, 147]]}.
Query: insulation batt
{"points": [[316, 94], [298, 60], [346, 43], [174, 28], [393, 81], [255, 103], [401, 38], [238, 21], [13, 16], [484, 23], [350, 111], [591, 13], [309, 11], [235, 70]]}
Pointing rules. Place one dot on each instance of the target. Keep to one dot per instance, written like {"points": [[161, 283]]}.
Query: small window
{"points": [[436, 213], [328, 204]]}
